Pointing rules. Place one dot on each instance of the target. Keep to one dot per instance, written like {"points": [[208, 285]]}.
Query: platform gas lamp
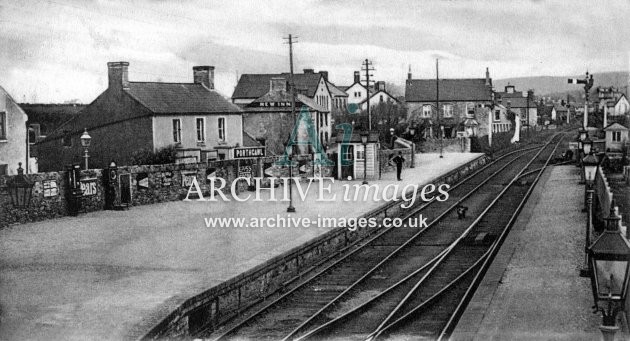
{"points": [[610, 256], [590, 163]]}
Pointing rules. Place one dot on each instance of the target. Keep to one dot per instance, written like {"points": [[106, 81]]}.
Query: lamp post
{"points": [[590, 163], [290, 209], [20, 189], [86, 139], [364, 140], [610, 256], [392, 137], [412, 132], [441, 141]]}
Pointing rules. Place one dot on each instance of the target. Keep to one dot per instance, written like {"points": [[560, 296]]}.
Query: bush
{"points": [[161, 156]]}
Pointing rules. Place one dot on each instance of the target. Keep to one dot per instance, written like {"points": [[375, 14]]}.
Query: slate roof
{"points": [[469, 89], [159, 99], [256, 85], [179, 98], [335, 91], [615, 127], [249, 140], [378, 92], [356, 137]]}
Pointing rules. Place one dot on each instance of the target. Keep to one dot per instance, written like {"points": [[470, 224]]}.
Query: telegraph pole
{"points": [[437, 105], [367, 67], [291, 41]]}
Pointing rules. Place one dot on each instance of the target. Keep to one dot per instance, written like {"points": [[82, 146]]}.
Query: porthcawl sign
{"points": [[243, 153]]}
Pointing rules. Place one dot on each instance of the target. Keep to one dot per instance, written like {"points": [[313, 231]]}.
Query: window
{"points": [[360, 153], [448, 110], [222, 128], [616, 136], [201, 129], [426, 110], [3, 125], [497, 115], [381, 98], [177, 130]]}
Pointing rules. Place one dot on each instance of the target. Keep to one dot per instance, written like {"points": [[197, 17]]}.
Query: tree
{"points": [[385, 115], [161, 156]]}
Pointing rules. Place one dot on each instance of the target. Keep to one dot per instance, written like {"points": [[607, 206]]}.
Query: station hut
{"points": [[352, 152]]}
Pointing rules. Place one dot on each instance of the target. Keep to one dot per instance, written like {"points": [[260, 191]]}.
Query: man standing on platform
{"points": [[398, 160]]}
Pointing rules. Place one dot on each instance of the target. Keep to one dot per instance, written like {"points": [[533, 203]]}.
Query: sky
{"points": [[53, 51]]}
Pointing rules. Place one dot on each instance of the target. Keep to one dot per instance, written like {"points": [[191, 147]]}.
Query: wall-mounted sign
{"points": [[142, 180], [245, 171], [50, 188], [273, 104], [88, 186], [187, 178], [167, 178], [242, 153]]}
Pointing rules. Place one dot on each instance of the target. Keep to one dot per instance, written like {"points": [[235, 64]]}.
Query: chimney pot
{"points": [[357, 77], [204, 75], [118, 74]]}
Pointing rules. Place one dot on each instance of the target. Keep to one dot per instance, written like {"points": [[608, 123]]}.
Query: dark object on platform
{"points": [[568, 155], [461, 212]]}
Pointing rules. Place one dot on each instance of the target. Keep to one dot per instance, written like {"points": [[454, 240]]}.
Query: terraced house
{"points": [[266, 103], [131, 116], [455, 100]]}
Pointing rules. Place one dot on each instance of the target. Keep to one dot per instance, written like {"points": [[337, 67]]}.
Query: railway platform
{"points": [[532, 290], [112, 275]]}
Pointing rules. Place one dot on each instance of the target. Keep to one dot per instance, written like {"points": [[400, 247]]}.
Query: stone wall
{"points": [[148, 184]]}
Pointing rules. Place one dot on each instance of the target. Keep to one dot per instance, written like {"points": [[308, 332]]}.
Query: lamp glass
{"points": [[589, 172], [580, 145], [364, 138], [587, 146], [610, 276], [583, 134], [86, 139]]}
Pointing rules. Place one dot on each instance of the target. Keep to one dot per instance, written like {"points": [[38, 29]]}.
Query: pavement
{"points": [[111, 275], [532, 290]]}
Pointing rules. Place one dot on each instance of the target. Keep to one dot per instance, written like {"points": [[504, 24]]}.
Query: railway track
{"points": [[375, 288]]}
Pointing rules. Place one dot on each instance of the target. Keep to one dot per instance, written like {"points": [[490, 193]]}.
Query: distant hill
{"points": [[557, 86]]}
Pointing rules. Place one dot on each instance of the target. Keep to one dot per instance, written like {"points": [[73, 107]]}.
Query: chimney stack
{"points": [[380, 86], [409, 73], [309, 70], [204, 75], [487, 76], [118, 74], [357, 77], [278, 84], [325, 75]]}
